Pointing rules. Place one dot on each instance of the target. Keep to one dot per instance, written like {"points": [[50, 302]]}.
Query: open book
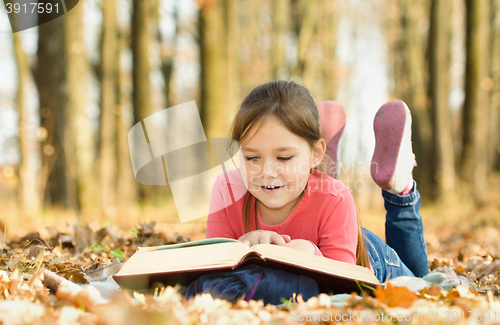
{"points": [[185, 262]]}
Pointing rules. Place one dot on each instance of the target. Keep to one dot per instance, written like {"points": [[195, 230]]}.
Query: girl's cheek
{"points": [[252, 181], [252, 167]]}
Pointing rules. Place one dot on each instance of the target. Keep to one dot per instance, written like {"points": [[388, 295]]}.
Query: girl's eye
{"points": [[285, 158], [251, 158]]}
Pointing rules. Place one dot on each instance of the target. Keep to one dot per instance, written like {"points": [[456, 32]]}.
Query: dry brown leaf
{"points": [[394, 296], [69, 271], [433, 291]]}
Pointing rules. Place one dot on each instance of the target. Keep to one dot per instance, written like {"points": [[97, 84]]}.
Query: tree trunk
{"points": [[407, 44], [141, 96], [78, 140], [126, 185], [168, 50], [28, 195], [327, 28], [474, 165], [49, 77], [232, 17], [443, 170], [494, 118], [395, 35], [416, 68], [213, 51], [306, 33], [107, 127], [281, 26]]}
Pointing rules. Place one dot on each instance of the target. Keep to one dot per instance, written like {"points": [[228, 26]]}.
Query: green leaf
{"points": [[367, 286], [134, 233], [286, 303], [118, 254], [360, 289], [99, 248]]}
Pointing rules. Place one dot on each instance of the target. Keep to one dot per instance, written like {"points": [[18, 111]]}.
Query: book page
{"points": [[208, 241], [182, 259], [310, 261]]}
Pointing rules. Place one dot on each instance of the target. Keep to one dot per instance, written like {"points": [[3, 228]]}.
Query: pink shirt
{"points": [[326, 215]]}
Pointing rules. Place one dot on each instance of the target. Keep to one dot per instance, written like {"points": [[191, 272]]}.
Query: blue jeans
{"points": [[254, 282], [405, 252]]}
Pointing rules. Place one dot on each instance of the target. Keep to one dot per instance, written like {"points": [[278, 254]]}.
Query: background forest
{"points": [[72, 88]]}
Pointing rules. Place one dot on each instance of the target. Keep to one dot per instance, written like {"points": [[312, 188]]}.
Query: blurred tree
{"points": [[28, 194], [406, 37], [305, 18], [141, 96], [126, 185], [232, 16], [494, 65], [218, 32], [474, 164], [107, 161], [256, 44], [443, 162], [314, 24], [78, 138], [281, 26], [142, 13], [49, 76], [327, 30], [168, 49]]}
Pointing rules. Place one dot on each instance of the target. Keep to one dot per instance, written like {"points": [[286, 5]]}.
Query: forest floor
{"points": [[457, 235]]}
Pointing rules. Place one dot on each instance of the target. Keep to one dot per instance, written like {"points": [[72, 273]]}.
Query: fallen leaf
{"points": [[463, 292], [394, 296], [433, 291]]}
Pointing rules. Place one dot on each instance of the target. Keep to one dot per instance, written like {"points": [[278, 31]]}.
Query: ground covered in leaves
{"points": [[77, 251]]}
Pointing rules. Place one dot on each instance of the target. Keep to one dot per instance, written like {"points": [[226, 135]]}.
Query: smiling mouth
{"points": [[271, 187]]}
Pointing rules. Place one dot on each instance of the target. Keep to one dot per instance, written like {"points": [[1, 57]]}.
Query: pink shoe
{"points": [[393, 159], [332, 122]]}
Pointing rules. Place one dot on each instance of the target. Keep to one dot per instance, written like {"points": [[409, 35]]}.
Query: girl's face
{"points": [[277, 166]]}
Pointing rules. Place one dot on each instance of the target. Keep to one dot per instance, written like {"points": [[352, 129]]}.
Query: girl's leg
{"points": [[404, 230], [392, 165], [332, 120], [384, 260], [254, 282]]}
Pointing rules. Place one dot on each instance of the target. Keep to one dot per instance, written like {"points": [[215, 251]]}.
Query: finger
{"points": [[287, 238], [247, 242], [264, 240], [278, 240]]}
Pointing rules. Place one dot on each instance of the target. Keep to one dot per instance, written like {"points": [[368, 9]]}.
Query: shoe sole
{"points": [[389, 126], [332, 120]]}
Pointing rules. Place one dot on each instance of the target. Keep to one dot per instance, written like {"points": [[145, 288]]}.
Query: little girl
{"points": [[291, 201]]}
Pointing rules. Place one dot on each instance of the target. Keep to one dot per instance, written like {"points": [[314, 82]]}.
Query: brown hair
{"points": [[293, 105]]}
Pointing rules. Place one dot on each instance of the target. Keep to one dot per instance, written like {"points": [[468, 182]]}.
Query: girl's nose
{"points": [[269, 169]]}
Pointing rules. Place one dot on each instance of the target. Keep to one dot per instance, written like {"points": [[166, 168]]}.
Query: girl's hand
{"points": [[302, 245], [264, 237]]}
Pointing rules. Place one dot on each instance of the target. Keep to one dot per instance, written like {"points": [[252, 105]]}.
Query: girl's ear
{"points": [[318, 152]]}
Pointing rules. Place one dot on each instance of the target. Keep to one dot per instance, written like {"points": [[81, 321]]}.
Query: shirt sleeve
{"points": [[218, 224], [338, 235]]}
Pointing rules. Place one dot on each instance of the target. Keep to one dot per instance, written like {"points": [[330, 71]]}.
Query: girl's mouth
{"points": [[271, 188]]}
